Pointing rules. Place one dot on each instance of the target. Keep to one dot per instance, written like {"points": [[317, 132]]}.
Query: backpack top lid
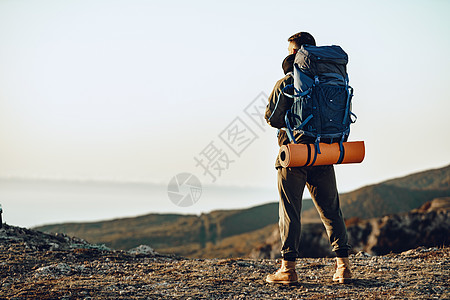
{"points": [[317, 60]]}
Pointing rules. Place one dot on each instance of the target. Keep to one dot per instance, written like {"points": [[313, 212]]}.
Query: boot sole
{"points": [[282, 282], [343, 280]]}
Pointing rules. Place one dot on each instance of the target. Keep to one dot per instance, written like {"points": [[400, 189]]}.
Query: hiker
{"points": [[320, 181]]}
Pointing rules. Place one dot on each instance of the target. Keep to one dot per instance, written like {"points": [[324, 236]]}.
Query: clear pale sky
{"points": [[135, 90]]}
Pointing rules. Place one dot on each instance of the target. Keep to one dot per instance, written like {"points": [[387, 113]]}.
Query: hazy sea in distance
{"points": [[29, 203]]}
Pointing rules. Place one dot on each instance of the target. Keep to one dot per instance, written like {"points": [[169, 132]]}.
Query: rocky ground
{"points": [[426, 226], [34, 265]]}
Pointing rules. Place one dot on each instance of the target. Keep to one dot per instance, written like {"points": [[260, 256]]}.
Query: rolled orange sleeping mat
{"points": [[299, 155]]}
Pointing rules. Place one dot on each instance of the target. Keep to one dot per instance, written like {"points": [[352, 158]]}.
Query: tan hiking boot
{"points": [[343, 273], [286, 273]]}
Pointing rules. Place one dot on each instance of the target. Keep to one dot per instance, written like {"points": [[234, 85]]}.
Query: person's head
{"points": [[299, 39]]}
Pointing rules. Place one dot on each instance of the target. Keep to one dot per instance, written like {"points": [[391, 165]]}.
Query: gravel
{"points": [[31, 266]]}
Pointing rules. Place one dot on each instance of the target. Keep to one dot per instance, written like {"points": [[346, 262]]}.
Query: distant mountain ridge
{"points": [[435, 179], [227, 233], [397, 195]]}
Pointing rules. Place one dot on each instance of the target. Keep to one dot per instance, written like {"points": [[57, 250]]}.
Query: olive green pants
{"points": [[321, 182]]}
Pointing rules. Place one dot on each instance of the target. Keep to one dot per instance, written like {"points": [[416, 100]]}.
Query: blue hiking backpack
{"points": [[322, 95]]}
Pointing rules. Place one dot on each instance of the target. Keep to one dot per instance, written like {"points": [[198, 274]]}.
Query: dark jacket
{"points": [[280, 103]]}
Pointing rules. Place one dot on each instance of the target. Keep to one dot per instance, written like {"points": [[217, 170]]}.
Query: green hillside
{"points": [[436, 179], [394, 196], [172, 233], [227, 233]]}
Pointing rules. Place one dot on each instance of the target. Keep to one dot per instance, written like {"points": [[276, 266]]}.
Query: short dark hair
{"points": [[302, 38]]}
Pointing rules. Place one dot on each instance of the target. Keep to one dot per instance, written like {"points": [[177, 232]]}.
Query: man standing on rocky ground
{"points": [[320, 181]]}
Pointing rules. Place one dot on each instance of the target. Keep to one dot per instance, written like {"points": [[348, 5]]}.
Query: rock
{"points": [[54, 270], [362, 254], [142, 249], [427, 226], [400, 232], [34, 239]]}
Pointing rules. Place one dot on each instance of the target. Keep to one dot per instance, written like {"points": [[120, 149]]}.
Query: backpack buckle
{"points": [[316, 80]]}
